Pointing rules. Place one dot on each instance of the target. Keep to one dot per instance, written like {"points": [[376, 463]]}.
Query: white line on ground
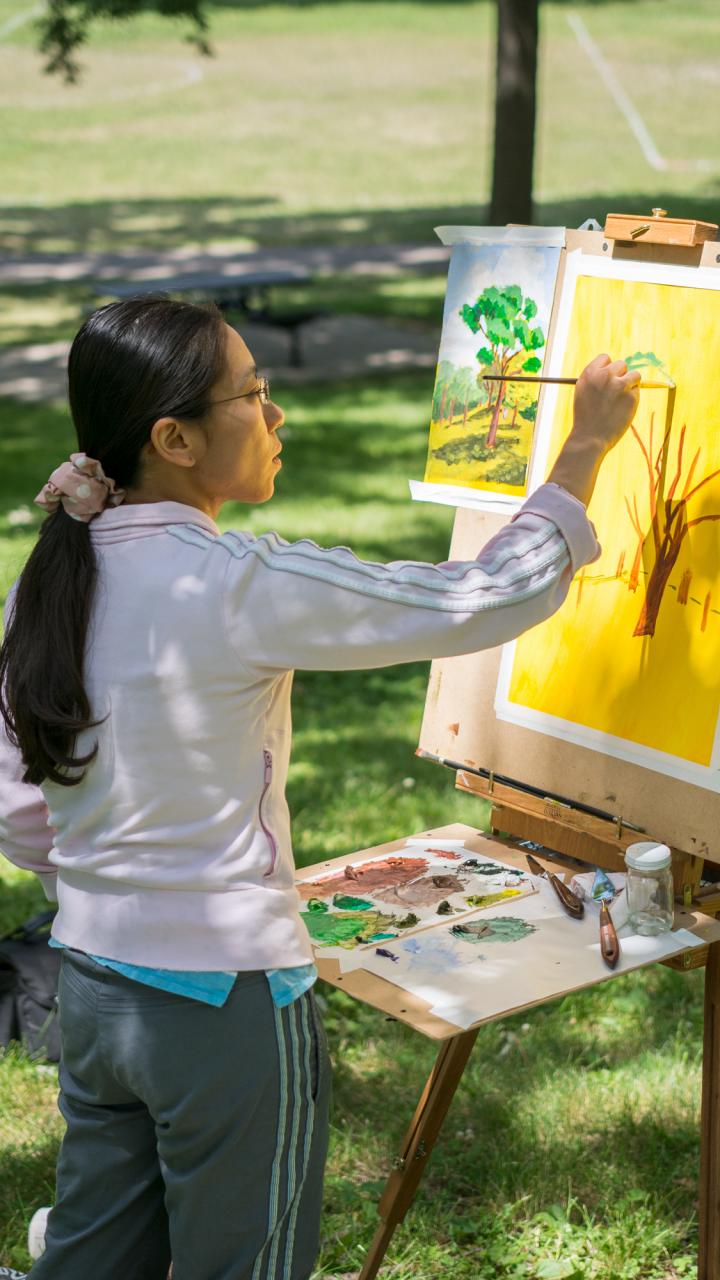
{"points": [[19, 19], [616, 91]]}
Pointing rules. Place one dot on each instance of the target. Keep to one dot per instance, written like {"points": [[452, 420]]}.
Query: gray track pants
{"points": [[194, 1132]]}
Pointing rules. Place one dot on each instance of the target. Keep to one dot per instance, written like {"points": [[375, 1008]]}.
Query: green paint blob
{"points": [[344, 902], [407, 921], [488, 868], [317, 906], [347, 929], [493, 929], [487, 899]]}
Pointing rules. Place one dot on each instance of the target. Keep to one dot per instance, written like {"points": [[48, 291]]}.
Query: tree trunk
{"points": [[492, 433], [684, 588], [657, 582], [634, 578], [516, 69], [442, 405], [465, 413], [515, 413]]}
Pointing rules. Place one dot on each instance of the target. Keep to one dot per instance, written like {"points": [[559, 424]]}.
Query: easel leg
{"points": [[417, 1144], [709, 1210]]}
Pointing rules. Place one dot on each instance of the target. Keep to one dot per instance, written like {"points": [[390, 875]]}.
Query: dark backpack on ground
{"points": [[29, 970]]}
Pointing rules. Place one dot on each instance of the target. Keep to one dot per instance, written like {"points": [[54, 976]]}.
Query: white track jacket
{"points": [[174, 851]]}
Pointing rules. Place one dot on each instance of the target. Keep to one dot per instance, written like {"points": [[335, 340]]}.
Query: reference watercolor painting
{"points": [[497, 312], [629, 665]]}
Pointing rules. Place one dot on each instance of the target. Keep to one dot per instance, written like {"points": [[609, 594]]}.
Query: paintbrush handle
{"points": [[566, 382], [609, 944], [526, 377]]}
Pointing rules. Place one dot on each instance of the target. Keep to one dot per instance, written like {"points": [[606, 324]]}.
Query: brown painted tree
{"points": [[670, 520]]}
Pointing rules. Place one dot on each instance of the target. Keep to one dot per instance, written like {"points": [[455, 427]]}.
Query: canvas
{"points": [[628, 666], [497, 312]]}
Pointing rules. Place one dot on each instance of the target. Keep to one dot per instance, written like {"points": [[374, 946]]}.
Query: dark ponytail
{"points": [[131, 363]]}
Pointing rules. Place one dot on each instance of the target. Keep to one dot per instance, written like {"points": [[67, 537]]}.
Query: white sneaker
{"points": [[36, 1232], [36, 1244]]}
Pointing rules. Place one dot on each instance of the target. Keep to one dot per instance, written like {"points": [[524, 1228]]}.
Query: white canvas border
{"points": [[452, 495]]}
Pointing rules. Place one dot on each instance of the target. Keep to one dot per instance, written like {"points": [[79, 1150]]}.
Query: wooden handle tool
{"points": [[669, 385], [570, 900], [609, 944]]}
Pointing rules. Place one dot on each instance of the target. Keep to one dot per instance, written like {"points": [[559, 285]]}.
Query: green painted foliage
{"points": [[644, 360], [503, 318], [469, 449]]}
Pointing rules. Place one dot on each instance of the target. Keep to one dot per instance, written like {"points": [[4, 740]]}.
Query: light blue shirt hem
{"points": [[212, 986]]}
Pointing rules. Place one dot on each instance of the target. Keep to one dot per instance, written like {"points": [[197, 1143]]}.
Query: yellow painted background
{"points": [[584, 664]]}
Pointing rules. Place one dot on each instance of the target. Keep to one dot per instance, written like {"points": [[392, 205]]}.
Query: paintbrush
{"points": [[570, 900], [568, 382]]}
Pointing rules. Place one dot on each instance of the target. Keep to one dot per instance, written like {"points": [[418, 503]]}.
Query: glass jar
{"points": [[649, 888]]}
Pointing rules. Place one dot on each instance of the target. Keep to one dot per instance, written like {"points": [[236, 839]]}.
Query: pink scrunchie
{"points": [[81, 486]]}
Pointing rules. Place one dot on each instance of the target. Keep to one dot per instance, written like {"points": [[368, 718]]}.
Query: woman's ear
{"points": [[179, 443]]}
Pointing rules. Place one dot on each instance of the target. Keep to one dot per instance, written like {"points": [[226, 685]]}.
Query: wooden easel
{"points": [[590, 834], [438, 1094], [455, 1050]]}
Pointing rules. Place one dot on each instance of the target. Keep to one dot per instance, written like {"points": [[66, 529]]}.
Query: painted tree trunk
{"points": [[442, 405], [634, 578], [465, 413], [492, 433], [515, 413], [657, 582], [684, 588]]}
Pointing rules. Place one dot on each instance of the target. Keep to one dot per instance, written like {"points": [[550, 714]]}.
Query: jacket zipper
{"points": [[267, 779]]}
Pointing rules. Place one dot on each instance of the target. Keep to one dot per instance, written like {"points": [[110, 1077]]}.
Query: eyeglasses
{"points": [[262, 391]]}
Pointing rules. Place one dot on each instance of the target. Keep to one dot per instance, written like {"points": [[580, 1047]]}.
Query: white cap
{"points": [[648, 855]]}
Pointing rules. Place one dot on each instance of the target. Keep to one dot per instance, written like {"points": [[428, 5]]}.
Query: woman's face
{"points": [[241, 459]]}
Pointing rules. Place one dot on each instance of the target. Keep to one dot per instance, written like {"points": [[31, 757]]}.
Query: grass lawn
{"points": [[571, 1150], [343, 120]]}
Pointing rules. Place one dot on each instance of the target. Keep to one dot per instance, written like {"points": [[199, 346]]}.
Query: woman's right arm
{"points": [[299, 605]]}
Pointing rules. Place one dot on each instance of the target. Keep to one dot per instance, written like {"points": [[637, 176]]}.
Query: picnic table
{"points": [[251, 293]]}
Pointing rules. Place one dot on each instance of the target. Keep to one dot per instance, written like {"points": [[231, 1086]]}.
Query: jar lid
{"points": [[648, 855]]}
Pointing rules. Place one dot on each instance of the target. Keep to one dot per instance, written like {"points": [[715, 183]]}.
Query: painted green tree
{"points": [[502, 318]]}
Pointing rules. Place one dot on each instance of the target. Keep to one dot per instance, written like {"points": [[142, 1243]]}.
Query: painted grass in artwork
{"points": [[458, 451]]}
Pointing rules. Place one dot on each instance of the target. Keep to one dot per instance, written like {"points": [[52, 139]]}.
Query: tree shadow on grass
{"points": [[502, 1143], [103, 225]]}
